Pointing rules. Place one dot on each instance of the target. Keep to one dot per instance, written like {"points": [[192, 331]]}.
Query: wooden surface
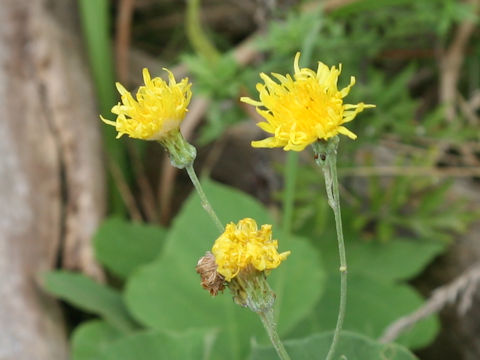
{"points": [[51, 173]]}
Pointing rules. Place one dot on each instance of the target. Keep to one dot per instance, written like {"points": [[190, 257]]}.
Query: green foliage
{"points": [[189, 345], [164, 295], [91, 338], [377, 292], [95, 20], [220, 116], [351, 346], [380, 261], [196, 35], [372, 304], [398, 259], [96, 340], [122, 246], [408, 206], [359, 34], [410, 16], [419, 208], [395, 108], [355, 35], [284, 36], [393, 227], [218, 79], [91, 297], [298, 282]]}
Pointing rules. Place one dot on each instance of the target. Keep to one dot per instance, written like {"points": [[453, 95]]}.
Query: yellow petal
{"points": [[158, 108], [343, 130], [303, 108], [250, 101], [146, 77], [109, 122], [265, 126], [344, 92], [296, 68]]}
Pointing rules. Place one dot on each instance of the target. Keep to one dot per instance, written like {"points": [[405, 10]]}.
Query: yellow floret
{"points": [[305, 108], [243, 245], [158, 108]]}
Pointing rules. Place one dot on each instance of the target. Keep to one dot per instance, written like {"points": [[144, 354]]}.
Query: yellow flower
{"points": [[243, 245], [304, 108], [158, 109]]}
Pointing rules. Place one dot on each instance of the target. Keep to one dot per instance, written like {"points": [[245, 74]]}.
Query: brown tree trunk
{"points": [[51, 176]]}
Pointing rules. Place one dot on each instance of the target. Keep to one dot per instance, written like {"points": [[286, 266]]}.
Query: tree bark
{"points": [[51, 174]]}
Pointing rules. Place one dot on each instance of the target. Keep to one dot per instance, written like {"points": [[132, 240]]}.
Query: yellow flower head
{"points": [[243, 245], [304, 108], [158, 109]]}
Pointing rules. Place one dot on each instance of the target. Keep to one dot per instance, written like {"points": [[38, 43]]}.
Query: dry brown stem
{"points": [[147, 195], [125, 191], [122, 38], [452, 62]]}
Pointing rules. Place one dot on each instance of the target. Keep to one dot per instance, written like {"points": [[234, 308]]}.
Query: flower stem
{"points": [[203, 198], [326, 157], [269, 324]]}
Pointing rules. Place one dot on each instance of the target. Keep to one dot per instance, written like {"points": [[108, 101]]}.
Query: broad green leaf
{"points": [[158, 345], [372, 305], [90, 339], [122, 246], [351, 346], [167, 293], [86, 294], [97, 340], [397, 259]]}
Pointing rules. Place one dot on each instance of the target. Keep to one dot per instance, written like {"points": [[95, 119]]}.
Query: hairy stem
{"points": [[269, 324], [326, 157], [203, 198]]}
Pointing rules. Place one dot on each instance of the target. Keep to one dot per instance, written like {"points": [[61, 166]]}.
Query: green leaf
{"points": [[372, 305], [86, 294], [95, 18], [397, 259], [90, 339], [219, 79], [434, 199], [351, 346], [219, 117], [97, 340], [358, 7], [123, 246], [158, 345], [167, 293]]}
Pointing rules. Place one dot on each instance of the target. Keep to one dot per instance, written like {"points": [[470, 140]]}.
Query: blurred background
{"points": [[412, 176]]}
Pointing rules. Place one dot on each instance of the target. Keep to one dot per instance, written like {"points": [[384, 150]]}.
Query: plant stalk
{"points": [[326, 157], [268, 322], [203, 198]]}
